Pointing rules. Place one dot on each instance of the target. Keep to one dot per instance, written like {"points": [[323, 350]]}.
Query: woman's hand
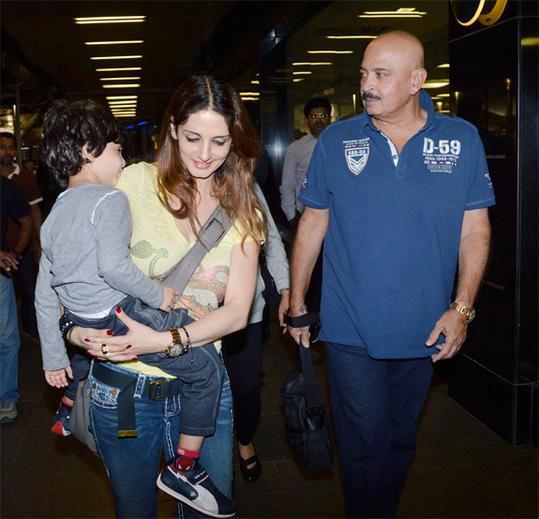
{"points": [[139, 339], [283, 308]]}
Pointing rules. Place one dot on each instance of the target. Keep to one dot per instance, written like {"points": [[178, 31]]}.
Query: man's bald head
{"points": [[402, 44], [392, 74]]}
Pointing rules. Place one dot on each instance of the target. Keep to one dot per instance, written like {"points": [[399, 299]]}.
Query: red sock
{"points": [[186, 458]]}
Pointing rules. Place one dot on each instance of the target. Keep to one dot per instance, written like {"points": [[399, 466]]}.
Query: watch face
{"points": [[471, 314]]}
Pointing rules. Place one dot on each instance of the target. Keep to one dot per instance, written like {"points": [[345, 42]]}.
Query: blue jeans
{"points": [[9, 342], [376, 406], [201, 369], [132, 464]]}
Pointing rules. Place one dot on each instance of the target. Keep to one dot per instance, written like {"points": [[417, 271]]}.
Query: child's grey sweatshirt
{"points": [[85, 263]]}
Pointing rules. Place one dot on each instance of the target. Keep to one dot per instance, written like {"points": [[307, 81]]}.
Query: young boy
{"points": [[86, 265]]}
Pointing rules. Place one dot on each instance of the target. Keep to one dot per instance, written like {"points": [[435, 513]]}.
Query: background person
{"points": [[399, 194], [243, 349], [14, 206], [26, 274]]}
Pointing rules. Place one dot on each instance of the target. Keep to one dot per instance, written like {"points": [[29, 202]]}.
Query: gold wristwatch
{"points": [[176, 347], [467, 311]]}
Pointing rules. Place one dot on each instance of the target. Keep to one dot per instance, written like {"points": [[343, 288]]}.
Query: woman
{"points": [[243, 349], [207, 154]]}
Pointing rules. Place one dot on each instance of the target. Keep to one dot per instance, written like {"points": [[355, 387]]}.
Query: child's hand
{"points": [[169, 300], [58, 378]]}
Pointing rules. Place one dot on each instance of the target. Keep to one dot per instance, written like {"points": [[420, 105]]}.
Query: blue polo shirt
{"points": [[391, 250]]}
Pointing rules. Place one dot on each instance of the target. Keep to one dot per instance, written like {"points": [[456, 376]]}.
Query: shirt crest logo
{"points": [[356, 153]]}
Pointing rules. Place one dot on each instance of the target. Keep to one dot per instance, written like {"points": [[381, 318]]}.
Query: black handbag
{"points": [[306, 421]]}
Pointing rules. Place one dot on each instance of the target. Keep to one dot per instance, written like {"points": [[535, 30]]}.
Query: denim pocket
{"points": [[101, 394]]}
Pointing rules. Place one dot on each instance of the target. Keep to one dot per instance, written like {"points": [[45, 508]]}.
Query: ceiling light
{"points": [[249, 93], [298, 79], [117, 42], [125, 85], [133, 56], [443, 65], [127, 105], [117, 69], [436, 83], [125, 101], [443, 95], [126, 78], [330, 52], [109, 19], [311, 63], [255, 82], [124, 115], [529, 42], [250, 99], [111, 98], [302, 72], [351, 37], [403, 12]]}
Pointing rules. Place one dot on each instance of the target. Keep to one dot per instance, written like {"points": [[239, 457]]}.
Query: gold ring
{"points": [[104, 349]]}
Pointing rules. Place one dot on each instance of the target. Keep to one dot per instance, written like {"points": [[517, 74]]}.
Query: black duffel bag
{"points": [[306, 421]]}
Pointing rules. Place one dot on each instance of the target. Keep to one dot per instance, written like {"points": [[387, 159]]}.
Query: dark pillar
{"points": [[494, 85]]}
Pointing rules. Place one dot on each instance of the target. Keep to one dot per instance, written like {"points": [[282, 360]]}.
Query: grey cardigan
{"points": [[276, 261]]}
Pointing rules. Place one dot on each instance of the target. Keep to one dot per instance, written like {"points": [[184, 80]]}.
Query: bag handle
{"points": [[210, 235], [312, 396]]}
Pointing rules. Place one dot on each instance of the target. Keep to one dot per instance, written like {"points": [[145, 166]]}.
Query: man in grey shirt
{"points": [[298, 155]]}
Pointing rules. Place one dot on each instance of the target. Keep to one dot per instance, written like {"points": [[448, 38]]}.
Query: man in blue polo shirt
{"points": [[399, 195]]}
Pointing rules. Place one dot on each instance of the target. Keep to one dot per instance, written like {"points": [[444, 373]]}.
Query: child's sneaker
{"points": [[195, 488], [60, 425]]}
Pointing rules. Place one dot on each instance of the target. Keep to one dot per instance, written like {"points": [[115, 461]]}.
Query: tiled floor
{"points": [[461, 470]]}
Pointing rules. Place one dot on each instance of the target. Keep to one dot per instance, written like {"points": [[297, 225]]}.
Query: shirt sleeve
{"points": [[480, 191], [288, 183], [112, 232], [314, 192], [31, 187], [276, 259], [48, 312]]}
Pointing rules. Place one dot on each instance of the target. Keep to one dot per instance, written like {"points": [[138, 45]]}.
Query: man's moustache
{"points": [[369, 95]]}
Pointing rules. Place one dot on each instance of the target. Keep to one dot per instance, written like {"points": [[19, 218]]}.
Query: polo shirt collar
{"points": [[425, 102]]}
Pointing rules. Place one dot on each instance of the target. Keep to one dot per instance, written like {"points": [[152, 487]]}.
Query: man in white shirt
{"points": [[298, 155]]}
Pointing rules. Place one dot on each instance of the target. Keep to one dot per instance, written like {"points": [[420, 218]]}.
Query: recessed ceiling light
{"points": [[117, 69], [99, 58], [109, 19], [122, 97], [529, 42], [249, 94], [310, 63], [125, 85], [330, 52], [301, 72], [123, 101], [436, 83], [250, 98], [443, 65], [443, 95], [127, 105], [255, 82], [403, 12], [126, 78], [350, 37], [117, 42], [298, 79]]}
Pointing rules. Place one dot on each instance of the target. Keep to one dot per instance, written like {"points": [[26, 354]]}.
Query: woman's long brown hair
{"points": [[233, 181]]}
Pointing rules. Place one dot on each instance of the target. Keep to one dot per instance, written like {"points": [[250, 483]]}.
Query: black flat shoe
{"points": [[250, 474]]}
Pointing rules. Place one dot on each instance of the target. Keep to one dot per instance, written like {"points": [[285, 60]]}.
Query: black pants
{"points": [[242, 352]]}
